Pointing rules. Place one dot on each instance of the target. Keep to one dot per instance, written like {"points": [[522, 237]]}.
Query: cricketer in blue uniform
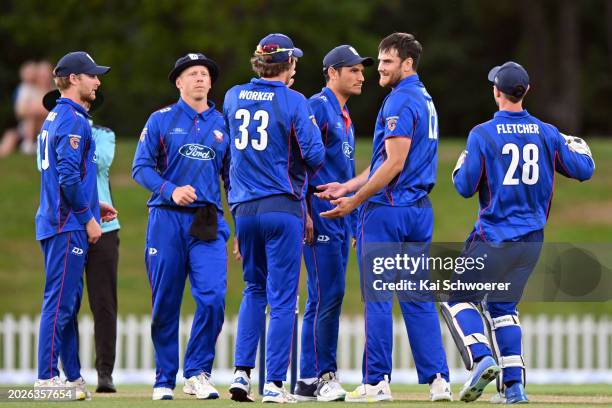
{"points": [[510, 162], [326, 258], [395, 208], [182, 152], [274, 140], [67, 220]]}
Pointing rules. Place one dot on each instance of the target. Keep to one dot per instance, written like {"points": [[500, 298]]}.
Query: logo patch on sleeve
{"points": [[314, 121], [143, 134], [75, 140], [392, 122]]}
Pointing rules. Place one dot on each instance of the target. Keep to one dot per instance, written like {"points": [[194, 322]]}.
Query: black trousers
{"points": [[101, 275]]}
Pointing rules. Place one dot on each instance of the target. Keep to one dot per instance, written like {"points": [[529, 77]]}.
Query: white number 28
{"points": [[531, 170]]}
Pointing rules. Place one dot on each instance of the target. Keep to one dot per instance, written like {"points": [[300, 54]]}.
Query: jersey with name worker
{"points": [[185, 139], [269, 160], [512, 159]]}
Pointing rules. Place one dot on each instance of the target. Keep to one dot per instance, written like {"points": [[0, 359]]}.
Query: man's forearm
{"points": [[358, 181], [381, 177]]}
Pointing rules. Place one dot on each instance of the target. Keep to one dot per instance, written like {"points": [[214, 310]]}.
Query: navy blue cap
{"points": [[510, 78], [278, 47], [78, 62], [345, 56], [193, 59]]}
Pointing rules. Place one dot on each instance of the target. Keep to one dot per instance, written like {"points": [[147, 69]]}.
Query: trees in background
{"points": [[565, 45]]}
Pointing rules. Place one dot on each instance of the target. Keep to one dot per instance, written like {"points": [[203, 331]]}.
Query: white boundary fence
{"points": [[557, 350]]}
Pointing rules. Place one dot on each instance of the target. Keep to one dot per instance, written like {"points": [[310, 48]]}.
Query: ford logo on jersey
{"points": [[197, 152]]}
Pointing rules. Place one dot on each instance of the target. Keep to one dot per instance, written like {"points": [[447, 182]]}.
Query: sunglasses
{"points": [[271, 49]]}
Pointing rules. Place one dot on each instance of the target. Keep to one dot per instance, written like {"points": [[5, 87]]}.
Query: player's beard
{"points": [[394, 78], [88, 97]]}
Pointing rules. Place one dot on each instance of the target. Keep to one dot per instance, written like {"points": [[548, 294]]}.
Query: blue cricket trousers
{"points": [[271, 248], [326, 260], [379, 224], [64, 255], [515, 260], [172, 255]]}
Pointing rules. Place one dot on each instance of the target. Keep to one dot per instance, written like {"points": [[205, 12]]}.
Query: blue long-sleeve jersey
{"points": [[338, 136], [68, 194], [511, 162], [274, 140], [408, 111], [179, 146]]}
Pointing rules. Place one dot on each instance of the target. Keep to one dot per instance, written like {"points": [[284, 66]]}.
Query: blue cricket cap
{"points": [[510, 78], [345, 56], [190, 60], [278, 47], [78, 62]]}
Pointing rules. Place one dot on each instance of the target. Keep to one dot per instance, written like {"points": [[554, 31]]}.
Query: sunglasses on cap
{"points": [[271, 49]]}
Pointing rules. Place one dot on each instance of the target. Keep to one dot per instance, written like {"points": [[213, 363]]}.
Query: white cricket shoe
{"points": [[272, 393], [371, 393], [162, 393], [440, 390], [54, 382], [240, 389], [329, 388], [200, 386], [498, 398], [51, 383], [80, 390]]}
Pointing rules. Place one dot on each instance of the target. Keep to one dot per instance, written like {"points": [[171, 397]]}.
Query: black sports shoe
{"points": [[305, 392], [105, 384]]}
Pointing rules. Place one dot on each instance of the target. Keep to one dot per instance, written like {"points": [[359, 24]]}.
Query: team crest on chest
{"points": [[218, 135], [75, 140], [391, 122], [314, 121]]}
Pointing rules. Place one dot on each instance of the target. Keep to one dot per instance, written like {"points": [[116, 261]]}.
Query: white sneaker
{"points": [[80, 390], [439, 390], [371, 393], [201, 387], [498, 398], [51, 383], [240, 388], [54, 382], [162, 393], [329, 388], [272, 393]]}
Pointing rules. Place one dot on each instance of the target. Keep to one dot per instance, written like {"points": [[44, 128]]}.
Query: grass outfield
{"points": [[581, 212], [411, 395]]}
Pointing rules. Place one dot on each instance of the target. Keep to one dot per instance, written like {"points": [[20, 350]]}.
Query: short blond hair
{"points": [[62, 83], [265, 69]]}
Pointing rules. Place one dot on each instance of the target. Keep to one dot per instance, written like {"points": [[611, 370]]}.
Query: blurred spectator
{"points": [[36, 81]]}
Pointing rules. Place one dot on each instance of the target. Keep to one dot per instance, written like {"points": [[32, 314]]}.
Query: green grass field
{"points": [[581, 212], [412, 395]]}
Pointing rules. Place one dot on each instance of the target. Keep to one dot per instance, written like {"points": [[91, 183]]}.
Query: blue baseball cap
{"points": [[278, 47], [190, 60], [510, 78], [78, 62], [345, 56]]}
